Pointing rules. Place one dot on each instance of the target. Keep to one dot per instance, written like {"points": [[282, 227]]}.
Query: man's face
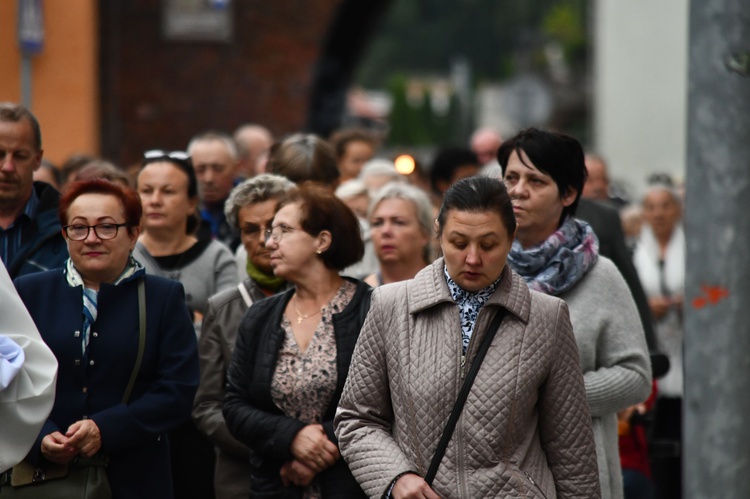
{"points": [[597, 182], [215, 168], [18, 160]]}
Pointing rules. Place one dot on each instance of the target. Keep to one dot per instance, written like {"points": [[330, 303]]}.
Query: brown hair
{"points": [[322, 210], [304, 157]]}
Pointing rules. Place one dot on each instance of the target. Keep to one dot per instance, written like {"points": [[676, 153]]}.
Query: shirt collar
{"points": [[32, 205]]}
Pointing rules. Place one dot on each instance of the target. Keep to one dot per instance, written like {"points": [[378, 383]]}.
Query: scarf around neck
{"points": [[557, 264], [265, 281], [133, 270]]}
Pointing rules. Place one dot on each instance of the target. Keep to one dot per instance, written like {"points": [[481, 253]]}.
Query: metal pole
{"points": [[717, 334], [26, 80]]}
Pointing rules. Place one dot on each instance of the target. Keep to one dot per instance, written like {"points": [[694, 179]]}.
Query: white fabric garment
{"points": [[11, 361], [27, 400], [670, 328]]}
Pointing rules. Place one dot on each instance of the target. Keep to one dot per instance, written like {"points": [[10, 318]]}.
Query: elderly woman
{"points": [[114, 398], [660, 261], [168, 247], [400, 225], [558, 255], [293, 352], [249, 210], [420, 339]]}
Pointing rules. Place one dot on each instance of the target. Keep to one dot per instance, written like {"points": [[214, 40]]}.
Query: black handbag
{"points": [[84, 477]]}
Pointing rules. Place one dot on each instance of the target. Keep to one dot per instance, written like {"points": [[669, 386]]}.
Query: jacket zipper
{"points": [[535, 484]]}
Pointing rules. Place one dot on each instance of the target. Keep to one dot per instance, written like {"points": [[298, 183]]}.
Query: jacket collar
{"points": [[428, 289]]}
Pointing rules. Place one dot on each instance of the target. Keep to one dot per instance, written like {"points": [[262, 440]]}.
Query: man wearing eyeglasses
{"points": [[30, 236], [215, 159]]}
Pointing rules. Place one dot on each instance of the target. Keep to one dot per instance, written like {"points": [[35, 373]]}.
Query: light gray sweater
{"points": [[614, 357], [213, 271]]}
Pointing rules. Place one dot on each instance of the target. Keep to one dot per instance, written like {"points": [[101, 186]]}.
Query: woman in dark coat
{"points": [[293, 352], [88, 313]]}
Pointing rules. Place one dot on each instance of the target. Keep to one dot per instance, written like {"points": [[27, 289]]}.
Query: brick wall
{"points": [[157, 93]]}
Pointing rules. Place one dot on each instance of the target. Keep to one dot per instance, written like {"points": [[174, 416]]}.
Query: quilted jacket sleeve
{"points": [[564, 419], [364, 417], [623, 375], [269, 434]]}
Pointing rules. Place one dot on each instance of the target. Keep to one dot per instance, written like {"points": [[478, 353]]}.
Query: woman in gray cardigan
{"points": [[558, 255]]}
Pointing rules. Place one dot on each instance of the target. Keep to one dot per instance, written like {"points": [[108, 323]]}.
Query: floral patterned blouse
{"points": [[304, 382]]}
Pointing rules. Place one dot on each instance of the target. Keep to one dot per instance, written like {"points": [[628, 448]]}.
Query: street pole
{"points": [[26, 79], [716, 453], [30, 28]]}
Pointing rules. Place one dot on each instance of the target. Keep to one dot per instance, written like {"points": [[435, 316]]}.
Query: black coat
{"points": [[249, 410]]}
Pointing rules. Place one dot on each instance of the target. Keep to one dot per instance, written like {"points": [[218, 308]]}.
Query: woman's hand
{"points": [[659, 306], [55, 448], [296, 473], [85, 437], [312, 447], [411, 486]]}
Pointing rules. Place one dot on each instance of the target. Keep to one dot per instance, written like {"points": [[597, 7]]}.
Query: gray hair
{"points": [[211, 136], [379, 166], [255, 190], [418, 198], [663, 186], [351, 188], [11, 112]]}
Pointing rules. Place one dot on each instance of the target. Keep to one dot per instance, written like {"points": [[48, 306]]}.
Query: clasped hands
{"points": [[313, 452], [83, 437]]}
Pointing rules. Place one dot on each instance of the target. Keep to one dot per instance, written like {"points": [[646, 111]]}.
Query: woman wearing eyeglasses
{"points": [[89, 314], [167, 247], [293, 352]]}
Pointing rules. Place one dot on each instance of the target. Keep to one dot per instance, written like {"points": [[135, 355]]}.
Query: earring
{"points": [[318, 252]]}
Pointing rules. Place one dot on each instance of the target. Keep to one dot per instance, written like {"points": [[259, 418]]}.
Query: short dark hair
{"points": [[129, 198], [447, 161], [340, 139], [478, 194], [304, 157], [185, 164], [15, 113], [322, 210], [558, 155]]}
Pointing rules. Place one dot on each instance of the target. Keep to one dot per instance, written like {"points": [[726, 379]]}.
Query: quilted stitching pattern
{"points": [[527, 412]]}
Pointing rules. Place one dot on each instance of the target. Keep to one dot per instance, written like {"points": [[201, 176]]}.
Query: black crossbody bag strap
{"points": [[141, 338], [462, 396]]}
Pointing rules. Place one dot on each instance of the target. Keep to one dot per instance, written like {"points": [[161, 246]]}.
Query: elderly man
{"points": [[254, 144], [485, 143], [30, 236], [216, 162]]}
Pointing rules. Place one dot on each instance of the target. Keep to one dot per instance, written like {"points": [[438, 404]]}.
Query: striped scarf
{"points": [[133, 270]]}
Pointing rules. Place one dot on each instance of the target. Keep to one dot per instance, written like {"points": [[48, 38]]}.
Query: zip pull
{"points": [[463, 365], [529, 478]]}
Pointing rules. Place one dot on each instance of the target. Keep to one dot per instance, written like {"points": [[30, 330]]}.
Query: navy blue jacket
{"points": [[47, 249], [249, 410], [133, 435]]}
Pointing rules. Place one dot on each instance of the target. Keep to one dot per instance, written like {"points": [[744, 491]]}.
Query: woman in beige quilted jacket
{"points": [[525, 430], [559, 255]]}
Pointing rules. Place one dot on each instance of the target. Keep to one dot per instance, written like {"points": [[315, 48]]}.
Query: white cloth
{"points": [[27, 400], [11, 361], [670, 328]]}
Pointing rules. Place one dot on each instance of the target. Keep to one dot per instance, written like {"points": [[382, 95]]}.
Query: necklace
{"points": [[301, 317]]}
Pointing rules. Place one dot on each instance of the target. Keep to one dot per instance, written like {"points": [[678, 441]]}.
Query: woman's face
{"points": [[396, 233], [253, 220], [292, 249], [537, 202], [99, 260], [164, 194], [356, 154], [661, 212], [475, 247]]}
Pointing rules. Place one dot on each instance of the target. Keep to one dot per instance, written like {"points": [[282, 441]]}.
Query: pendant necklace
{"points": [[301, 317]]}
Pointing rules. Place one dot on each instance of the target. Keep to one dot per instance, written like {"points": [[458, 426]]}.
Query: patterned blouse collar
{"points": [[461, 296]]}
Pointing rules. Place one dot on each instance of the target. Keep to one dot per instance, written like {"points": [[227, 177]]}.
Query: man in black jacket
{"points": [[30, 235]]}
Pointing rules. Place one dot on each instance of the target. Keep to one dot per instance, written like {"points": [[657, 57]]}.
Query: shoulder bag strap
{"points": [[245, 295], [462, 396], [141, 338]]}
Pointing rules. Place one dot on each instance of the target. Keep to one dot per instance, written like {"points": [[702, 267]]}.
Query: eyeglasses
{"points": [[79, 232], [278, 232], [157, 154], [252, 230]]}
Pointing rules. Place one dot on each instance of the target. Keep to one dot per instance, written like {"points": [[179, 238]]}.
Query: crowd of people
{"points": [[294, 318]]}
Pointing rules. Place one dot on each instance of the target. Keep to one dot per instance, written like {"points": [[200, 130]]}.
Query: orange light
{"points": [[405, 164]]}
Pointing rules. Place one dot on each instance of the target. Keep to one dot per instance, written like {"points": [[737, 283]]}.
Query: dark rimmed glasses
{"points": [[79, 232]]}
